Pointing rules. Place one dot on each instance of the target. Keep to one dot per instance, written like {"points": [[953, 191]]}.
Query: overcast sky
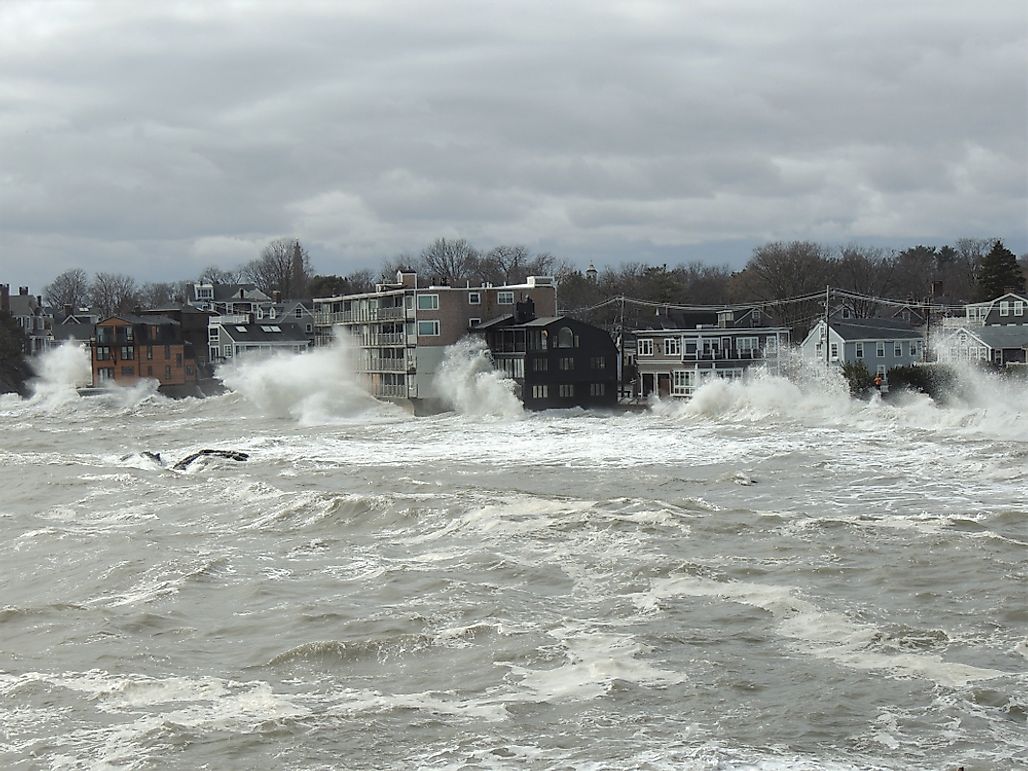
{"points": [[159, 138]]}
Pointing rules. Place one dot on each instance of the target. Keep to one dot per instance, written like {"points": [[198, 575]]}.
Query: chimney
{"points": [[524, 311], [5, 298], [276, 296], [23, 290], [67, 310]]}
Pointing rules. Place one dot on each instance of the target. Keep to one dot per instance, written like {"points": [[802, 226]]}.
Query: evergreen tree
{"points": [[999, 273]]}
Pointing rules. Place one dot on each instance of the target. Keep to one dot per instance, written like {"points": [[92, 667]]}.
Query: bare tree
{"points": [[215, 275], [284, 265], [449, 261], [511, 265], [157, 294], [779, 272], [866, 271], [112, 293], [69, 288]]}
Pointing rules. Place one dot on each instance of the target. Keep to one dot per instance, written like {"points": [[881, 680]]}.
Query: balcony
{"points": [[727, 355], [394, 391], [392, 338], [378, 364]]}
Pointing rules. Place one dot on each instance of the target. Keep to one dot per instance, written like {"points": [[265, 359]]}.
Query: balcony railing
{"points": [[395, 391], [727, 355], [360, 316], [391, 338], [376, 364]]}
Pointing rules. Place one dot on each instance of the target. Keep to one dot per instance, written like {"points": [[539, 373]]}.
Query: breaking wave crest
{"points": [[314, 387], [979, 405], [469, 384]]}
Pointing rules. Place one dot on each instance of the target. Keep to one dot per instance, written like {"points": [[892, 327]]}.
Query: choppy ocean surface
{"points": [[772, 576]]}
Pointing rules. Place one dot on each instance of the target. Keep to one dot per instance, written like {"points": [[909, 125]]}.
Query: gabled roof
{"points": [[874, 329], [132, 318], [72, 331], [229, 292], [997, 338], [260, 332], [23, 304]]}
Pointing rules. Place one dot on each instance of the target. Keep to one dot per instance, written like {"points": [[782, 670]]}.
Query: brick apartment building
{"points": [[128, 348], [402, 329]]}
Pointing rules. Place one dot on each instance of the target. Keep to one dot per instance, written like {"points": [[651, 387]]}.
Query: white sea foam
{"points": [[60, 371], [314, 387], [469, 384], [594, 660], [825, 634]]}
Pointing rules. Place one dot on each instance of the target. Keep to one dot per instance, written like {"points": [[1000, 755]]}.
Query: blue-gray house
{"points": [[879, 344]]}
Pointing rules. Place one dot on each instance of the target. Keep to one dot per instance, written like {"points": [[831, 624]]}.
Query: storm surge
{"points": [[468, 383], [316, 386], [977, 404]]}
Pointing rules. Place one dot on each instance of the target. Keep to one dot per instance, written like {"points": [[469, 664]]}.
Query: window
{"points": [[540, 391], [565, 338], [771, 345], [681, 382], [428, 302], [505, 298], [1004, 308], [860, 350], [833, 351], [474, 298], [880, 348], [597, 389], [1018, 307], [540, 364], [474, 322], [672, 346], [747, 345], [167, 352], [178, 360], [103, 353], [106, 373], [167, 373], [880, 370], [567, 390], [299, 312], [567, 363], [913, 348], [897, 349], [128, 352], [428, 328], [598, 362], [228, 351], [644, 348]]}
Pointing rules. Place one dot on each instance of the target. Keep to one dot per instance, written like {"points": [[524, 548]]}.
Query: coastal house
{"points": [[226, 298], [556, 361], [402, 329], [879, 344], [678, 349], [28, 313], [232, 336], [128, 348], [994, 332]]}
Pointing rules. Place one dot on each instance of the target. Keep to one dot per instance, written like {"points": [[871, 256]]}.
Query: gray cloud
{"points": [[159, 138]]}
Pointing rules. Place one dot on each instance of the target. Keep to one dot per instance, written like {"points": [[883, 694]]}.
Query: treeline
{"points": [[969, 269]]}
